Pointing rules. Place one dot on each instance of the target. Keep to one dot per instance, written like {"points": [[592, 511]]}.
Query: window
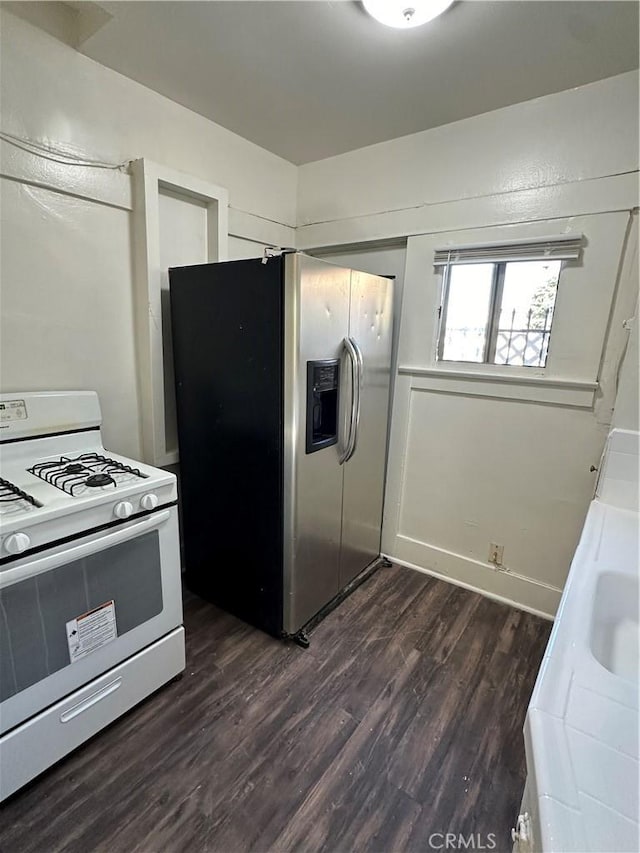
{"points": [[498, 302], [499, 313]]}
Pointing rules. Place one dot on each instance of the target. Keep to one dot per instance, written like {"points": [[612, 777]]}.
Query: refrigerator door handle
{"points": [[358, 395], [353, 359]]}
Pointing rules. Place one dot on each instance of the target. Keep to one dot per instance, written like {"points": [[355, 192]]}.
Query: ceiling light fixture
{"points": [[404, 14]]}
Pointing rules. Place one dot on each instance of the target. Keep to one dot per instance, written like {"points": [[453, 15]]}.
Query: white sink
{"points": [[614, 634], [581, 732]]}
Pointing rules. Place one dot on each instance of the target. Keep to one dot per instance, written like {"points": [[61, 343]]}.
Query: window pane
{"points": [[467, 312], [524, 325]]}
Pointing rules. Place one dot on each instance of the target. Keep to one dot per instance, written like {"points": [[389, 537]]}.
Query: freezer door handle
{"points": [[357, 395], [353, 360]]}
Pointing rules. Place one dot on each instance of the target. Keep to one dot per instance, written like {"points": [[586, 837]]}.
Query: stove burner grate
{"points": [[90, 470], [10, 493]]}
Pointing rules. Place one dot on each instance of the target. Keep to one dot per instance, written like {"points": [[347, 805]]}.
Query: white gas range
{"points": [[90, 595]]}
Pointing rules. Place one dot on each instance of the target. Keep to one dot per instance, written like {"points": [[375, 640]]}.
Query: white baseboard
{"points": [[506, 587]]}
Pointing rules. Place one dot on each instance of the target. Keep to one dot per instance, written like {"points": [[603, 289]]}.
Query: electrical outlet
{"points": [[495, 553]]}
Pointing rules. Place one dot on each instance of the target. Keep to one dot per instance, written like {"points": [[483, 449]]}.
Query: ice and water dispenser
{"points": [[323, 385]]}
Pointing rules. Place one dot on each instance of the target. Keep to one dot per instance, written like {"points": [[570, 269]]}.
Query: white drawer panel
{"points": [[44, 739]]}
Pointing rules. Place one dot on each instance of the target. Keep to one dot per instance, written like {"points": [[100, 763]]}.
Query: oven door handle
{"points": [[68, 555]]}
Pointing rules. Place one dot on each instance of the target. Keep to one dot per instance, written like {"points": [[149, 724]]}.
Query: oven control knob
{"points": [[16, 543], [123, 509], [149, 501]]}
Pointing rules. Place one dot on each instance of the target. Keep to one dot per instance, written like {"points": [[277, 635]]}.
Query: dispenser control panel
{"points": [[323, 385]]}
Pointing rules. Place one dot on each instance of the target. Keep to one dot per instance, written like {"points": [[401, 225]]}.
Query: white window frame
{"points": [[148, 179]]}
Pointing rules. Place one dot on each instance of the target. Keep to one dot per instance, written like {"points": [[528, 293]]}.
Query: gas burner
{"points": [[89, 471], [97, 480], [13, 499], [74, 468]]}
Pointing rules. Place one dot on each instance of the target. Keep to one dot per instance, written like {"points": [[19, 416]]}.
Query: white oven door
{"points": [[118, 589]]}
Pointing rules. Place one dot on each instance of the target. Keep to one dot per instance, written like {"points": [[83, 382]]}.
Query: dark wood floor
{"points": [[402, 720]]}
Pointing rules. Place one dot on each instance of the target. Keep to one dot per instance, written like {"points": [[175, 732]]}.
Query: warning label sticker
{"points": [[91, 630]]}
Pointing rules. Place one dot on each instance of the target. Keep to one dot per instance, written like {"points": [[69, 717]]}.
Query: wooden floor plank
{"points": [[330, 805], [403, 719]]}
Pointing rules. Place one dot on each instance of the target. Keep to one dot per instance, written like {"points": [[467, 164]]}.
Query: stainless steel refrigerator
{"points": [[282, 389]]}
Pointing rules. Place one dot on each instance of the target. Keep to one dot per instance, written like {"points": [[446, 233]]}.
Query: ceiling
{"points": [[309, 79]]}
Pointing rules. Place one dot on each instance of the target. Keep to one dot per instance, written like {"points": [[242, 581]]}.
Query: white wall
{"points": [[499, 457], [626, 414], [625, 372], [66, 311], [240, 248], [523, 162], [500, 454], [67, 281]]}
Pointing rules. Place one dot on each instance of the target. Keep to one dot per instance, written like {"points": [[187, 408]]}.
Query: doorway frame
{"points": [[148, 179]]}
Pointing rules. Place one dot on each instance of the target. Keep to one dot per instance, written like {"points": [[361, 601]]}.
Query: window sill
{"points": [[505, 386]]}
